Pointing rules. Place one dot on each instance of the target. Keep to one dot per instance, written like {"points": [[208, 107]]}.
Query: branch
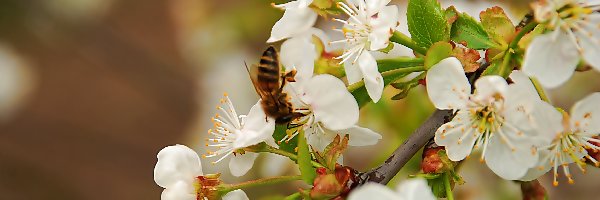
{"points": [[386, 171]]}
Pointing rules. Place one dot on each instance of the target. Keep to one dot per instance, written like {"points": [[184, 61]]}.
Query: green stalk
{"points": [[225, 188], [505, 68], [270, 149], [539, 89], [405, 70], [402, 39], [449, 195]]}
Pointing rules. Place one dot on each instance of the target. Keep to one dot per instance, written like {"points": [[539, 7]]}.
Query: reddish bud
{"points": [[333, 186], [432, 163], [533, 190]]}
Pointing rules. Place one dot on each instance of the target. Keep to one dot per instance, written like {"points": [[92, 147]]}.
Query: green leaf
{"points": [[427, 22], [467, 31], [279, 134], [307, 171], [497, 25], [437, 187], [437, 52], [493, 69]]}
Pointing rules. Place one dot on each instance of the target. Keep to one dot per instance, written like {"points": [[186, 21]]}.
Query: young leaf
{"points": [[497, 25], [427, 22], [307, 171], [467, 31], [437, 53]]}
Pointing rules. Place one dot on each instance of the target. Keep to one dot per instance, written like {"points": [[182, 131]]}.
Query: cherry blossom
{"points": [[179, 171], [368, 28], [572, 139], [329, 110], [498, 118], [574, 34], [232, 133], [297, 18]]}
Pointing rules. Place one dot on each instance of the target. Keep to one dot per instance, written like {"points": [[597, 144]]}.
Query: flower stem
{"points": [[539, 89], [402, 39], [505, 68], [448, 187], [294, 196], [225, 188], [405, 70], [270, 149]]}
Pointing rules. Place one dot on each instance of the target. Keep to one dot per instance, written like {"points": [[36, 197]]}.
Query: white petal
{"points": [[447, 85], [415, 189], [318, 139], [373, 79], [360, 136], [176, 163], [449, 135], [353, 73], [296, 19], [179, 191], [257, 128], [542, 167], [591, 46], [375, 6], [488, 87], [585, 114], [551, 61], [372, 191], [235, 195], [274, 165], [383, 26], [299, 52], [240, 164], [521, 92], [331, 102], [507, 163]]}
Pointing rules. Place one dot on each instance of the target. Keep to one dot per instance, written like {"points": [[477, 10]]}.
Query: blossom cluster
{"points": [[499, 107]]}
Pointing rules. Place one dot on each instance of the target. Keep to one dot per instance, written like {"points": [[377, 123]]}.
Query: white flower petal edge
{"points": [[177, 170], [235, 195], [359, 136], [330, 102], [242, 163], [300, 53], [175, 164], [411, 189], [551, 72], [585, 114], [447, 85], [373, 79], [297, 18]]}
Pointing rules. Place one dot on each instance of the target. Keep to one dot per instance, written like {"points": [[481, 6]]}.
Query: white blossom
{"points": [[411, 189], [300, 52], [297, 18], [368, 28], [178, 170], [571, 139], [574, 34], [329, 110], [232, 133], [498, 118]]}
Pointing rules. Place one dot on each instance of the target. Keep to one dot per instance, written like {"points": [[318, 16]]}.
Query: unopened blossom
{"points": [[411, 189], [573, 34], [369, 27], [329, 110], [497, 118], [572, 139], [297, 18], [232, 133], [179, 171]]}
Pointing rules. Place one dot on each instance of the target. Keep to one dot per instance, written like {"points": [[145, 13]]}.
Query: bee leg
{"points": [[288, 77]]}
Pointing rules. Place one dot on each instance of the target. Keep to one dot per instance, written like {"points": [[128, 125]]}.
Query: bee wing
{"points": [[253, 74]]}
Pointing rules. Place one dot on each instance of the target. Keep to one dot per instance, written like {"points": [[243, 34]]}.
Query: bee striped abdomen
{"points": [[269, 71]]}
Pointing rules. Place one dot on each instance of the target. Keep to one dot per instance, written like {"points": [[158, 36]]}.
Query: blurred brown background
{"points": [[93, 89]]}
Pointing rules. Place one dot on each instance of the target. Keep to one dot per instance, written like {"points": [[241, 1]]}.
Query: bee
{"points": [[268, 80]]}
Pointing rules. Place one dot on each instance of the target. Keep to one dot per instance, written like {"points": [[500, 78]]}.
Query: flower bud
{"points": [[333, 186], [435, 160]]}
